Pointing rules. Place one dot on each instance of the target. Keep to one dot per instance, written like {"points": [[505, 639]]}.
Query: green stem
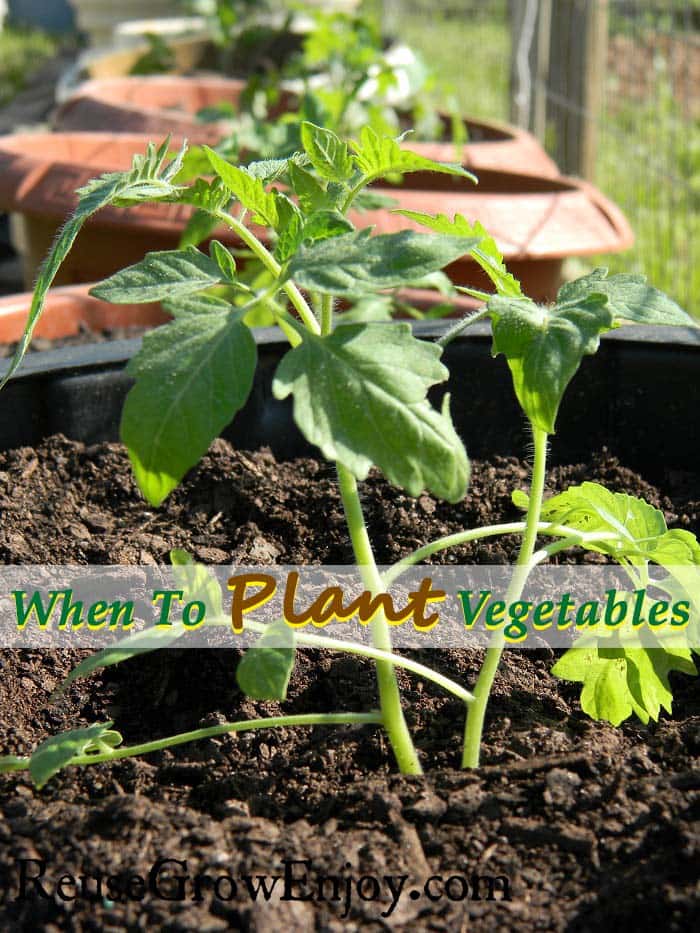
{"points": [[488, 531], [326, 314], [374, 654], [244, 725], [477, 710], [269, 261], [389, 696]]}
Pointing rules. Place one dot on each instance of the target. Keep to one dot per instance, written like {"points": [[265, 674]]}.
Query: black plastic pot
{"points": [[639, 396]]}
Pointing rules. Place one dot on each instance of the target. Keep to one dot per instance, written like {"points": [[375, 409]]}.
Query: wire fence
{"points": [[611, 87]]}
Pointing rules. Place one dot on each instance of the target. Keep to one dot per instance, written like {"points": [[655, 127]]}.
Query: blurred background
{"points": [[610, 87]]}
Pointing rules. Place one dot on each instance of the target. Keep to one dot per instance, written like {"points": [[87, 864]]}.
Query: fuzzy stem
{"points": [[389, 696], [269, 261], [477, 710]]}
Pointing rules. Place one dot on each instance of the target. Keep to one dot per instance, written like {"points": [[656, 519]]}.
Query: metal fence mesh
{"points": [[637, 106]]}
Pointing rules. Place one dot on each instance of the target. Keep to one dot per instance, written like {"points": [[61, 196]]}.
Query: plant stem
{"points": [[269, 261], [326, 314], [477, 710], [244, 725], [488, 531], [389, 696]]}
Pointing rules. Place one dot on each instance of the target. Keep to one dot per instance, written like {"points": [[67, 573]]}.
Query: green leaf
{"points": [[250, 191], [264, 670], [196, 304], [592, 508], [60, 750], [618, 682], [312, 196], [486, 253], [360, 395], [630, 298], [377, 156], [224, 260], [321, 225], [169, 274], [544, 347], [268, 170], [197, 582], [192, 376], [9, 763], [148, 179], [328, 154], [356, 263]]}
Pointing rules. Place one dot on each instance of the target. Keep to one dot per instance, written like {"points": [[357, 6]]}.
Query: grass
{"points": [[648, 156], [22, 52]]}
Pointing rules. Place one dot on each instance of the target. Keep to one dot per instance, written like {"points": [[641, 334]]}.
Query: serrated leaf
{"points": [[486, 253], [192, 376], [356, 263], [544, 347], [327, 153], [618, 682], [268, 170], [638, 527], [264, 670], [247, 189], [60, 750], [360, 395], [148, 179], [630, 298], [377, 156], [169, 274]]}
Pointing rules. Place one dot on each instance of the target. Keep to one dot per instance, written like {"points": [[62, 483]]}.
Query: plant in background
{"points": [[348, 373]]}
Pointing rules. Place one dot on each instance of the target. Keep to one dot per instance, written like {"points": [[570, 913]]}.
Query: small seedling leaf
{"points": [[378, 156], [60, 750], [264, 670], [327, 153], [246, 188]]}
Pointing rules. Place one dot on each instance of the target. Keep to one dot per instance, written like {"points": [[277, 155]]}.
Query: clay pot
{"points": [[537, 222], [161, 105], [71, 310]]}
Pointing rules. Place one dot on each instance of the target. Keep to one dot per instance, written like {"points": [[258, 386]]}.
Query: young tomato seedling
{"points": [[347, 373]]}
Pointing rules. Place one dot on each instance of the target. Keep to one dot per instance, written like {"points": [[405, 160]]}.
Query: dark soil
{"points": [[595, 827]]}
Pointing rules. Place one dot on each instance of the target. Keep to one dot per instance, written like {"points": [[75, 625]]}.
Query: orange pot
{"points": [[70, 310], [537, 222], [161, 105]]}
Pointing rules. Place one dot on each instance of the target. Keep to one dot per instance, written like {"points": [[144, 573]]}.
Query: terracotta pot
{"points": [[69, 311], [537, 222], [161, 105]]}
